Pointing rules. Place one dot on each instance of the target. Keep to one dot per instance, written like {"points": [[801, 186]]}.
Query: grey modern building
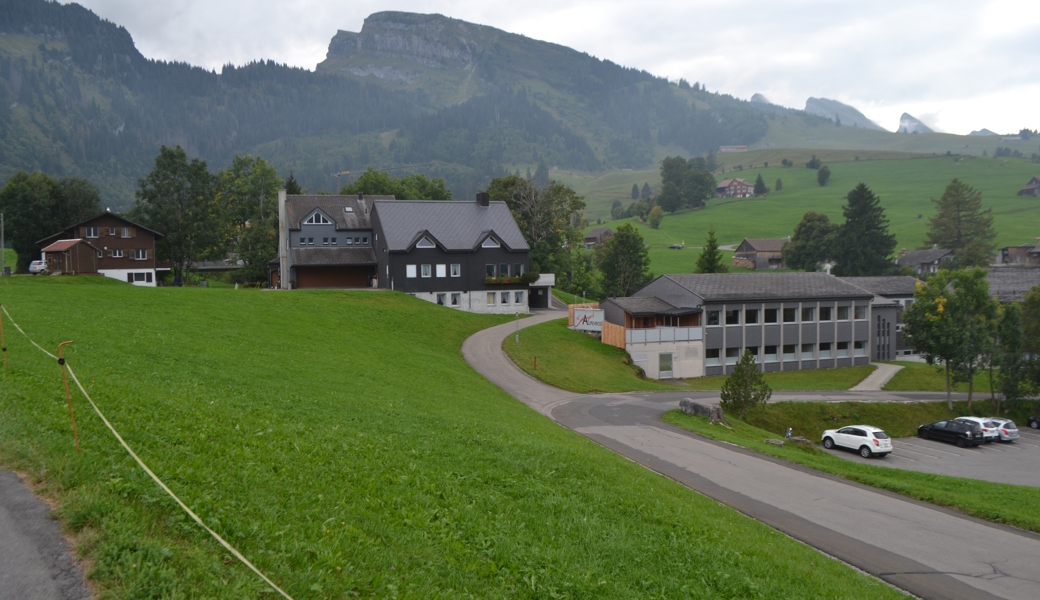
{"points": [[892, 294], [694, 325]]}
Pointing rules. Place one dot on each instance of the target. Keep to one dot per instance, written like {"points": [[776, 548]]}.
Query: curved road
{"points": [[925, 550]]}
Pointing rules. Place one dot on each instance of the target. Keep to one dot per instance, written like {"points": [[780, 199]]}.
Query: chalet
{"points": [[1026, 254], [926, 262], [760, 253], [122, 250], [466, 255], [694, 325], [1032, 188], [734, 188], [597, 237]]}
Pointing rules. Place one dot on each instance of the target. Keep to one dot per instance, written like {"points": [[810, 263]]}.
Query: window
{"points": [[357, 241], [100, 254], [325, 241], [92, 232], [423, 243], [843, 313], [711, 358], [808, 314], [825, 313], [733, 317], [808, 351], [771, 316], [409, 271], [442, 270], [732, 356], [364, 240], [489, 270], [112, 231], [310, 241], [125, 233], [303, 241], [456, 270], [843, 349], [518, 269], [790, 315], [333, 241], [859, 348], [455, 298], [491, 243], [503, 270], [825, 349], [860, 311], [751, 316], [491, 298], [518, 298], [349, 241], [117, 253], [770, 354], [317, 219], [141, 254], [440, 299], [505, 298], [427, 270], [789, 350], [713, 317], [139, 276]]}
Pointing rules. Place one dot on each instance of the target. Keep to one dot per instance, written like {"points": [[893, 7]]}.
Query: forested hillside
{"points": [[78, 99]]}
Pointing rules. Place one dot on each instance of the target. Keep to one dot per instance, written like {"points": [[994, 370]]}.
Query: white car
{"points": [[865, 439], [990, 427], [1006, 430], [37, 266]]}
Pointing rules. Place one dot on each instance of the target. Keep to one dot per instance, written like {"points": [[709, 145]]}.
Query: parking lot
{"points": [[1015, 462]]}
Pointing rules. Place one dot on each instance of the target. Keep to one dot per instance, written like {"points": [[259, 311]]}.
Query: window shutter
{"points": [[133, 232]]}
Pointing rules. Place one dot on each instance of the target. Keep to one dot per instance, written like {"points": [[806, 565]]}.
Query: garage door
{"points": [[332, 277]]}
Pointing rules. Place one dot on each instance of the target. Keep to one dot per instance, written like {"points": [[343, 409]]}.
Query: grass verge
{"points": [[339, 440], [996, 502], [922, 377]]}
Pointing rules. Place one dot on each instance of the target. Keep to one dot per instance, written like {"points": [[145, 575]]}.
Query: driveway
{"points": [[928, 551]]}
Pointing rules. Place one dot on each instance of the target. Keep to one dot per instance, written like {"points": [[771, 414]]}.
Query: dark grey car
{"points": [[960, 432]]}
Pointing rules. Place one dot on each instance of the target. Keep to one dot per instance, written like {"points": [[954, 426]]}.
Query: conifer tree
{"points": [[710, 260], [760, 186], [863, 246], [961, 225], [744, 388]]}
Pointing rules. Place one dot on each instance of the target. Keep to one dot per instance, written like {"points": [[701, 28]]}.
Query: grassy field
{"points": [[921, 377], [997, 502], [339, 440]]}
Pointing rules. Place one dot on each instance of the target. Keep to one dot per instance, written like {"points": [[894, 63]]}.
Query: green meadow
{"points": [[341, 443]]}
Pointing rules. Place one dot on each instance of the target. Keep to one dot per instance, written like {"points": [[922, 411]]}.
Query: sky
{"points": [[957, 65]]}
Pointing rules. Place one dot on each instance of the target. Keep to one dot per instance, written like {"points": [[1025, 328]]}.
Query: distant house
{"points": [[926, 262], [680, 326], [1012, 283], [1032, 188], [122, 250], [734, 188], [597, 237], [760, 253], [1026, 254], [731, 149], [892, 294]]}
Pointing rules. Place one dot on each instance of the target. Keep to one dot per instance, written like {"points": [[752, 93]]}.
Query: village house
{"points": [[1032, 188], [597, 237], [926, 262], [734, 188], [1025, 254], [108, 245], [760, 253]]}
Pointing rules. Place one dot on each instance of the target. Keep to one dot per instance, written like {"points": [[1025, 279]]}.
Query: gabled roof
{"points": [[454, 225], [597, 232], [894, 285], [764, 244], [63, 245], [107, 213], [648, 306], [921, 257], [726, 182], [720, 287], [1011, 284], [298, 208]]}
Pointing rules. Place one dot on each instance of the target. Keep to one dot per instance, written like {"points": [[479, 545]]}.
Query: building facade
{"points": [[124, 249]]}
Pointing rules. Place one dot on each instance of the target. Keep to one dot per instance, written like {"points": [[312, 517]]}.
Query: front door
{"points": [[664, 365]]}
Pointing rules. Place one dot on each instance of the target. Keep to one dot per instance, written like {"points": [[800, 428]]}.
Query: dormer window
{"points": [[425, 243], [317, 219], [491, 243]]}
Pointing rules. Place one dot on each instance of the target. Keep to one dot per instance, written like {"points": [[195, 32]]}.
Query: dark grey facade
{"points": [[892, 294]]}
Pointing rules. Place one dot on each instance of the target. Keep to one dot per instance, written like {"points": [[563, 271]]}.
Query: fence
{"points": [[613, 335]]}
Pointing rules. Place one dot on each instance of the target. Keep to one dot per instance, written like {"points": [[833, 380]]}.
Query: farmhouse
{"points": [[466, 255], [760, 253], [695, 325], [734, 188], [1032, 188], [926, 262], [121, 250], [597, 237], [1025, 254]]}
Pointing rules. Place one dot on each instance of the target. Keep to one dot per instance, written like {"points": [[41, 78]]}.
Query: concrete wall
{"points": [[687, 358]]}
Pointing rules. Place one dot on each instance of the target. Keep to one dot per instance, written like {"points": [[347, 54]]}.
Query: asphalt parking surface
{"points": [[1015, 462]]}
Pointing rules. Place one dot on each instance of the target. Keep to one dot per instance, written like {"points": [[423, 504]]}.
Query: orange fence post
{"points": [[68, 397]]}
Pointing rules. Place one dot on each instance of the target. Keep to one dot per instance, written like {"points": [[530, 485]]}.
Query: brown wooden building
{"points": [[123, 249]]}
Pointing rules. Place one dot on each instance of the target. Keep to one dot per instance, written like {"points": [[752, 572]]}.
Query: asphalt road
{"points": [[925, 550], [35, 561]]}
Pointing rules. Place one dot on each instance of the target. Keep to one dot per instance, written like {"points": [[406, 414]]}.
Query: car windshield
{"points": [[881, 435]]}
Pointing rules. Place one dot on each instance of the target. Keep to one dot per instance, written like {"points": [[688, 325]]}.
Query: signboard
{"points": [[588, 319]]}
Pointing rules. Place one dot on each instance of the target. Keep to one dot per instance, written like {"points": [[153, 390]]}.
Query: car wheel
{"points": [[865, 452], [924, 435], [960, 442], [1034, 424], [828, 443]]}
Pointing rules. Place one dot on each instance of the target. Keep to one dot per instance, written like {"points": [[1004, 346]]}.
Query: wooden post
{"points": [[68, 397]]}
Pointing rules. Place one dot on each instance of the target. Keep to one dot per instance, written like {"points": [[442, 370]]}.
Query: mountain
{"points": [[910, 124], [983, 132], [843, 114]]}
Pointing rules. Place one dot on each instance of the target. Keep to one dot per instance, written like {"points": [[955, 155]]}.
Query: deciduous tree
{"points": [[655, 217], [960, 224], [823, 175], [863, 246], [711, 259], [745, 387], [550, 218], [409, 187], [624, 262], [811, 243], [248, 193]]}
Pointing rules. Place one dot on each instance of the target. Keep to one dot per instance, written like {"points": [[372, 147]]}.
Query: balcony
{"points": [[664, 334]]}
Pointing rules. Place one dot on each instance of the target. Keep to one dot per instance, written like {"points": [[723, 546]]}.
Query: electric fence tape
{"points": [[140, 462]]}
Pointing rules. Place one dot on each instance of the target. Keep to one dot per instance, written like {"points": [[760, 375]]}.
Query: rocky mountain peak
{"points": [[911, 124]]}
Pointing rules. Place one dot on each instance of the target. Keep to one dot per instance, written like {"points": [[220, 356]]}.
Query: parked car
{"points": [[1007, 430], [865, 439], [989, 427], [1034, 422], [37, 266], [961, 432]]}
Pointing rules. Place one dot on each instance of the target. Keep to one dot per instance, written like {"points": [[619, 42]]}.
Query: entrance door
{"points": [[664, 365]]}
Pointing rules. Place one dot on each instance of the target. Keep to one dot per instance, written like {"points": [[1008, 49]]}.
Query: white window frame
{"points": [[409, 271], [807, 351], [442, 270], [126, 232], [712, 357], [845, 310], [456, 270], [491, 298], [518, 298], [843, 350], [92, 232], [317, 218], [117, 253], [141, 254], [860, 312], [456, 298], [427, 271]]}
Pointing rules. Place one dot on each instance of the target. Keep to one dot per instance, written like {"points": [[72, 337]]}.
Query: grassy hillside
{"points": [[339, 440]]}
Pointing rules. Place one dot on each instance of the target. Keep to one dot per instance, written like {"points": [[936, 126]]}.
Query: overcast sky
{"points": [[958, 65]]}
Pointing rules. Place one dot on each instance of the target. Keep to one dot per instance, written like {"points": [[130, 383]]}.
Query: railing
{"points": [[663, 334]]}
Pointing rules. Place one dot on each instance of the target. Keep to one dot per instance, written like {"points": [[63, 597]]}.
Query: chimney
{"points": [[483, 199], [360, 196]]}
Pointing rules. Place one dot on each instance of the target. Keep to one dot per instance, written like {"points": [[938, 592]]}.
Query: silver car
{"points": [[1007, 429], [988, 425]]}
